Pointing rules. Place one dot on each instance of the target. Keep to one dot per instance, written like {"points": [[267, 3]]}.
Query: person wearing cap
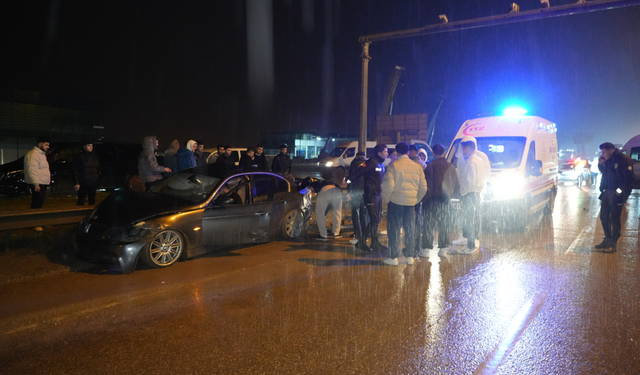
{"points": [[443, 184], [36, 172], [358, 208], [472, 178], [403, 186], [615, 188], [282, 162], [86, 172]]}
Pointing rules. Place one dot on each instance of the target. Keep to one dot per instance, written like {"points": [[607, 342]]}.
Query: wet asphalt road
{"points": [[539, 302]]}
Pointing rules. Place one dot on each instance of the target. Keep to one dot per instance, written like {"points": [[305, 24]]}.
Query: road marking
{"points": [[21, 329], [519, 324], [576, 241]]}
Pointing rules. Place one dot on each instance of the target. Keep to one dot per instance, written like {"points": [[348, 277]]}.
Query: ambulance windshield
{"points": [[503, 152]]}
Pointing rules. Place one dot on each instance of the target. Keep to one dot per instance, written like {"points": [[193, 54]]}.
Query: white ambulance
{"points": [[523, 152], [632, 150]]}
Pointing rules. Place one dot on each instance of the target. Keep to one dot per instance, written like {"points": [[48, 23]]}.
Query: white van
{"points": [[344, 153], [632, 150], [523, 151]]}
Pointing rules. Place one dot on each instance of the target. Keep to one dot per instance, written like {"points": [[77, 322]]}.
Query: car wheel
{"points": [[292, 225], [164, 250]]}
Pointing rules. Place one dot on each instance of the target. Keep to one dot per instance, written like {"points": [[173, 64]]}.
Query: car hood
{"points": [[128, 207]]}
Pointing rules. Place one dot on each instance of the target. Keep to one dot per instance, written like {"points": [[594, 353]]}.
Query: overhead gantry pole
{"points": [[514, 16]]}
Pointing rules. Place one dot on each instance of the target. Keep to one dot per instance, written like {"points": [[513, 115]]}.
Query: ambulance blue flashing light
{"points": [[514, 111]]}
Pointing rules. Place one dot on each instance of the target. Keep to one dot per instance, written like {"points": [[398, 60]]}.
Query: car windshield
{"points": [[337, 152], [188, 185]]}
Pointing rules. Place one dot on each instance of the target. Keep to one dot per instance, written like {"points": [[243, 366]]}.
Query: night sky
{"points": [[182, 70]]}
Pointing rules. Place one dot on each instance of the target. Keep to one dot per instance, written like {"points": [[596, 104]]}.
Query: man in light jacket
{"points": [[403, 186], [36, 172], [472, 178]]}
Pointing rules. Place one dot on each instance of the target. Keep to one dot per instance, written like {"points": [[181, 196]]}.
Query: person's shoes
{"points": [[442, 253], [364, 248], [353, 241], [603, 245], [410, 260], [377, 246], [460, 241], [466, 251], [390, 262], [336, 236], [320, 238], [424, 253]]}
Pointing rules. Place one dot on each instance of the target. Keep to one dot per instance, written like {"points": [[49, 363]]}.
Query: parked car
{"points": [[117, 160], [192, 212], [574, 172]]}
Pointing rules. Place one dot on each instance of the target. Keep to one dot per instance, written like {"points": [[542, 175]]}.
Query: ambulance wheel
{"points": [[548, 209]]}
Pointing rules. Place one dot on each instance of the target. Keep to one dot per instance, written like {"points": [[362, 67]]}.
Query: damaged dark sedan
{"points": [[191, 213]]}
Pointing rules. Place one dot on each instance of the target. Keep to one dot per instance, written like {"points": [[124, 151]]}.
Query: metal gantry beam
{"points": [[503, 19]]}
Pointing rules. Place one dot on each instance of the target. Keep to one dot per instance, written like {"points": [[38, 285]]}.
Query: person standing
{"points": [[443, 184], [331, 194], [86, 172], [171, 157], [404, 185], [472, 178], [36, 172], [615, 188], [248, 160], [282, 162], [358, 208], [148, 169], [200, 155], [373, 171], [185, 157], [226, 162], [261, 159]]}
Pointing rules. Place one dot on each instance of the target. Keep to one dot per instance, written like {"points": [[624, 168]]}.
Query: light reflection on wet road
{"points": [[539, 302]]}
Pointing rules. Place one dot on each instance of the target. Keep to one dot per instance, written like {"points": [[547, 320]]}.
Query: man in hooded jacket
{"points": [[148, 169]]}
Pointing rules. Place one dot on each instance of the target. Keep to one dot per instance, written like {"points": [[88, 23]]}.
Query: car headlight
{"points": [[306, 198], [507, 188], [329, 163], [129, 233]]}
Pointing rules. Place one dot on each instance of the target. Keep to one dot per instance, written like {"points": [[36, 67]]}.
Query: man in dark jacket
{"points": [[615, 187], [86, 171], [226, 162], [443, 184], [282, 163], [358, 208], [200, 154], [260, 160], [248, 160], [373, 172]]}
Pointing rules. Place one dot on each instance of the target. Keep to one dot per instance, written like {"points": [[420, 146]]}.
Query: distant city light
{"points": [[318, 138], [514, 111]]}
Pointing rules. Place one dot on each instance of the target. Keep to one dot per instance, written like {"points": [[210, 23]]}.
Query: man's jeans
{"points": [[401, 217], [470, 204]]}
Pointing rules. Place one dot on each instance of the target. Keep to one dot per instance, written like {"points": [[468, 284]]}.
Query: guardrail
{"points": [[9, 222]]}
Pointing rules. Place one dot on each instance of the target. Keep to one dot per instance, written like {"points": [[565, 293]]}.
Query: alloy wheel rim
{"points": [[293, 225], [166, 248]]}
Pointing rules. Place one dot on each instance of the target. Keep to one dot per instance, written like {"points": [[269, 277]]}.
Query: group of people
{"points": [[37, 174], [193, 154], [418, 195]]}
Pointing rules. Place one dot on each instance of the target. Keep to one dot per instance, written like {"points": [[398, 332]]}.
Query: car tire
{"points": [[292, 225], [164, 250]]}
